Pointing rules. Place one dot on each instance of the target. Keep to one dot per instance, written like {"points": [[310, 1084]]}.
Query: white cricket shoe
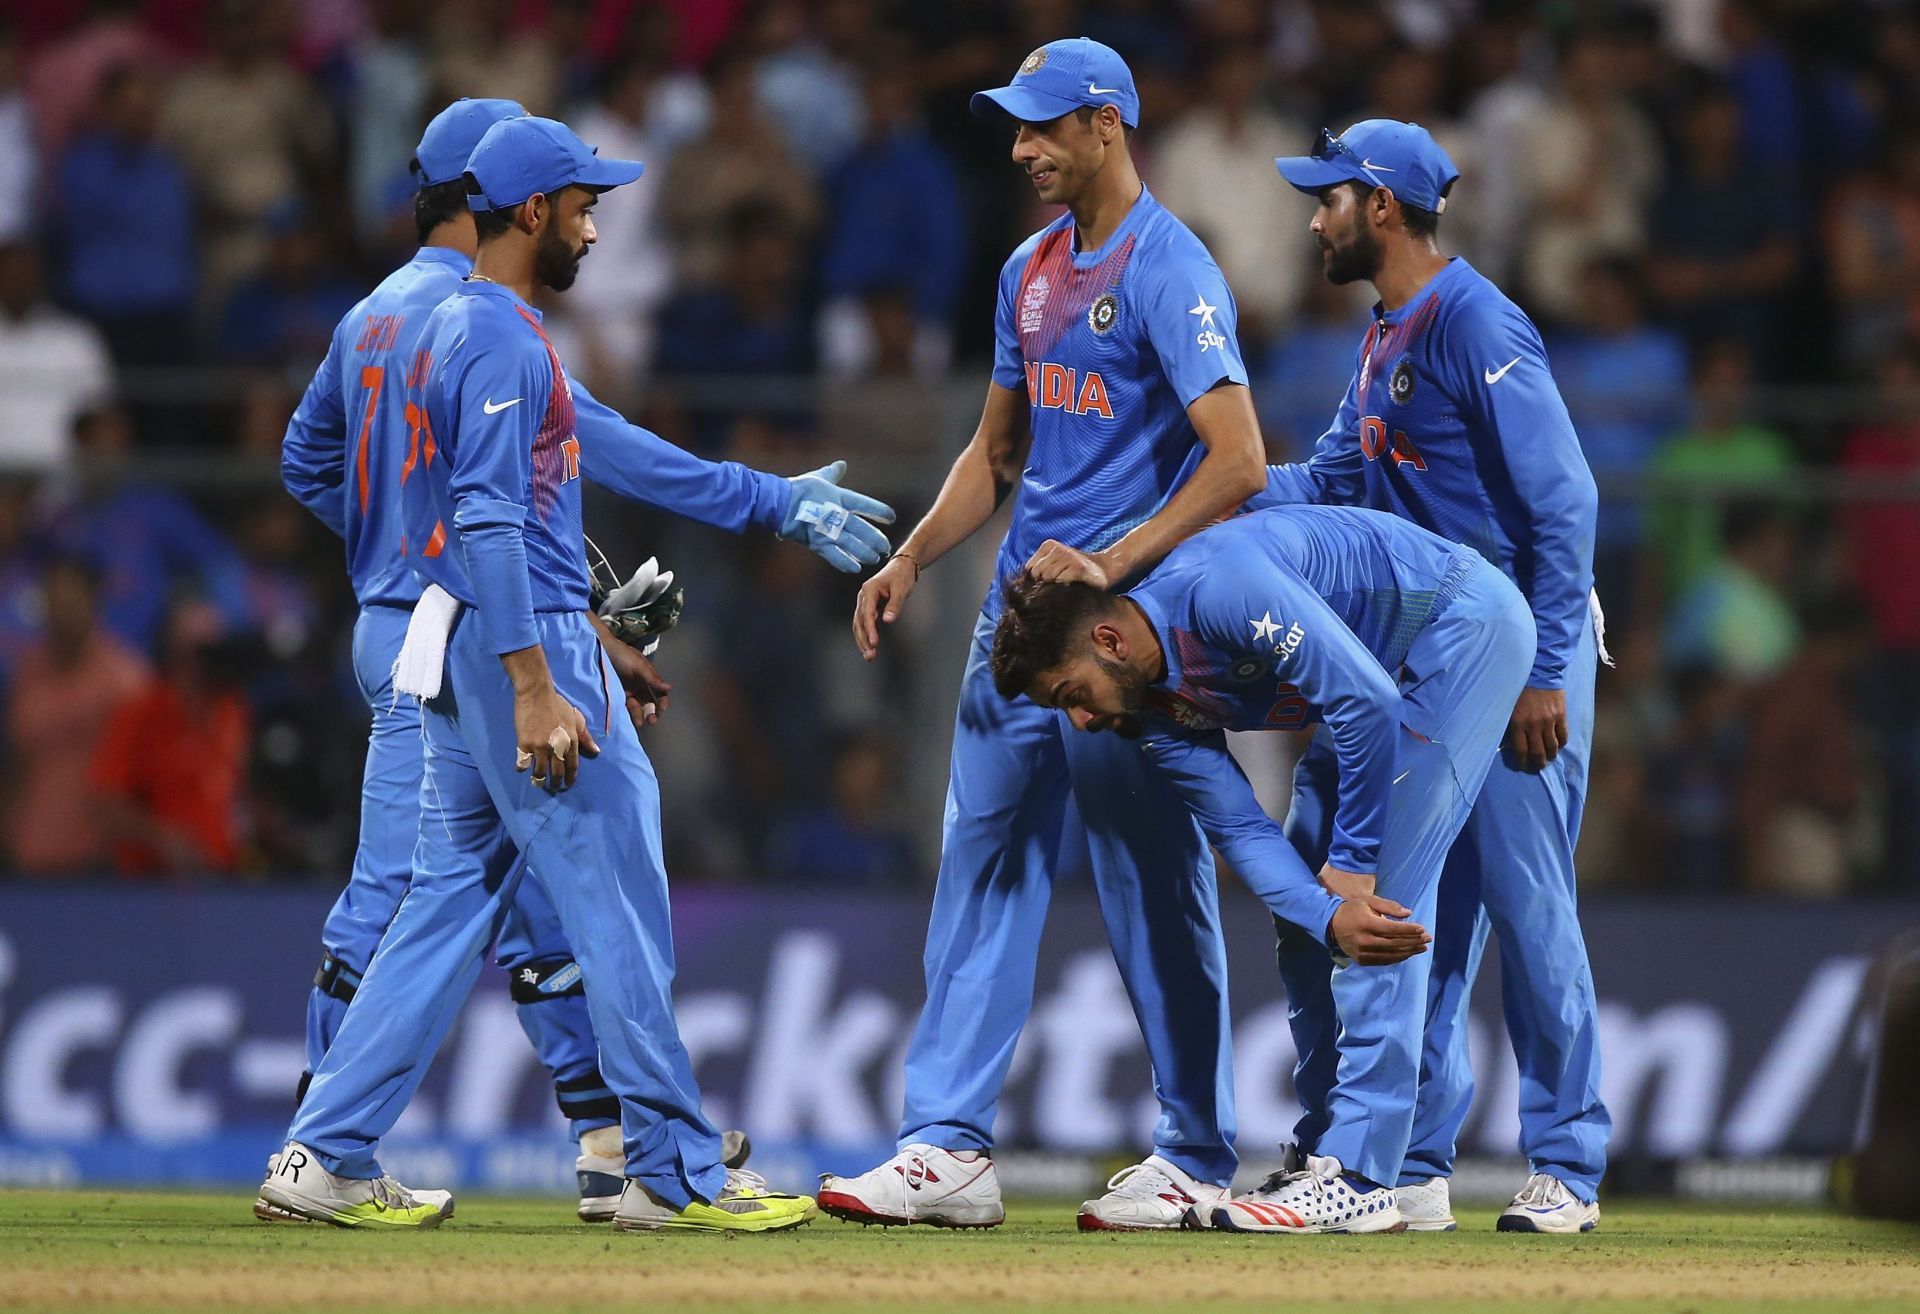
{"points": [[1546, 1205], [1151, 1196], [601, 1169], [1321, 1198], [300, 1190], [921, 1184], [1426, 1206]]}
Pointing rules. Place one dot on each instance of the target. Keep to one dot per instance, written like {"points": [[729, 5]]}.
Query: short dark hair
{"points": [[487, 224], [1040, 622], [1417, 222], [1085, 115], [438, 203]]}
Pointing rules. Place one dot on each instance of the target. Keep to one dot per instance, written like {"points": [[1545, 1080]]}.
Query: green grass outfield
{"points": [[133, 1250]]}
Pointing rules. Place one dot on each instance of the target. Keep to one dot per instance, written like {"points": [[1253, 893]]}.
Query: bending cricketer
{"points": [[1407, 652]]}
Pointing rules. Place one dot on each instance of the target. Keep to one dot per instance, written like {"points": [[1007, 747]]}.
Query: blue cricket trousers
{"points": [[600, 843], [1008, 809], [1360, 1030]]}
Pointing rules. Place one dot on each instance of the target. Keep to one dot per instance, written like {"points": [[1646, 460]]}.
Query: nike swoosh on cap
{"points": [[1102, 91], [492, 409], [1369, 164], [1494, 376]]}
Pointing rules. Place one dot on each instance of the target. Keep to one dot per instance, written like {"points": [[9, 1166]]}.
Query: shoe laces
{"points": [[909, 1166], [1142, 1181], [1543, 1191], [389, 1194], [1321, 1170], [742, 1180]]}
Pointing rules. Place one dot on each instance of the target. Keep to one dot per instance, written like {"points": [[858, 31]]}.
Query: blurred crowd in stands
{"points": [[1712, 207]]}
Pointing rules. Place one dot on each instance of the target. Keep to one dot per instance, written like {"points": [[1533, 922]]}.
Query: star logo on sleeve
{"points": [[1209, 337], [1264, 629]]}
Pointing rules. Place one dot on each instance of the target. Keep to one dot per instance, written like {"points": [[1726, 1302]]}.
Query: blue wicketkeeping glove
{"points": [[827, 518]]}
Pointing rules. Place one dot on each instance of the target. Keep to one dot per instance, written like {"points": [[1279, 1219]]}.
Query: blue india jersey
{"points": [[1111, 346], [495, 449], [348, 437], [1453, 421], [1295, 616], [349, 440]]}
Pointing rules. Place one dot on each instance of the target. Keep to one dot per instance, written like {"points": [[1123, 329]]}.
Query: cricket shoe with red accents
{"points": [[1321, 1198], [1151, 1196], [921, 1184]]}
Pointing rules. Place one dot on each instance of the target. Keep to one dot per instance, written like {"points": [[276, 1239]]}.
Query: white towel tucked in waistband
{"points": [[423, 657], [1599, 626]]}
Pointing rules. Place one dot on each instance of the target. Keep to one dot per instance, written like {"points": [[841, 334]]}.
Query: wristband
{"points": [[911, 559]]}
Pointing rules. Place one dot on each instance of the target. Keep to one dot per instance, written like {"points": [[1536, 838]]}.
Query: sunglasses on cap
{"points": [[1328, 147]]}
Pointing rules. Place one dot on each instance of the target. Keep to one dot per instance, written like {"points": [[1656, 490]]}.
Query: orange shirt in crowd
{"points": [[56, 713], [183, 770]]}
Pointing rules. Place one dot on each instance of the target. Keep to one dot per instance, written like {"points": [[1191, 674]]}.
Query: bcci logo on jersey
{"points": [[1400, 383], [1103, 313]]}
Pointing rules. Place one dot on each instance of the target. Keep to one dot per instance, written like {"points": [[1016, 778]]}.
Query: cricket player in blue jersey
{"points": [[1119, 408], [1407, 652], [1453, 421], [341, 459], [435, 941]]}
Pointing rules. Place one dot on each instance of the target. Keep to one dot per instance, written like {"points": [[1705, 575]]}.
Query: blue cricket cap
{"points": [[1059, 78], [450, 138], [1401, 157], [527, 156]]}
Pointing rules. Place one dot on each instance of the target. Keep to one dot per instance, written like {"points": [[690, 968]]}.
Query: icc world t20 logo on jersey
{"points": [[1033, 304], [1102, 314]]}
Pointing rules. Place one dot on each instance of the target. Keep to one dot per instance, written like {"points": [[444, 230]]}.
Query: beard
{"points": [[555, 261], [1131, 685], [1358, 260]]}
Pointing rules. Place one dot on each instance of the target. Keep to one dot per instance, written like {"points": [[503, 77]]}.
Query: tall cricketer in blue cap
{"points": [[1118, 406], [1453, 421]]}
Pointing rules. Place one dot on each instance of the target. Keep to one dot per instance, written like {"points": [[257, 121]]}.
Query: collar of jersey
{"points": [[1141, 204], [1447, 271], [1157, 617], [444, 255], [480, 287]]}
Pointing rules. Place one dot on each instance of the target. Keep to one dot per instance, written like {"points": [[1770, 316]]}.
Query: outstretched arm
{"points": [[646, 468], [1332, 474], [1233, 470]]}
